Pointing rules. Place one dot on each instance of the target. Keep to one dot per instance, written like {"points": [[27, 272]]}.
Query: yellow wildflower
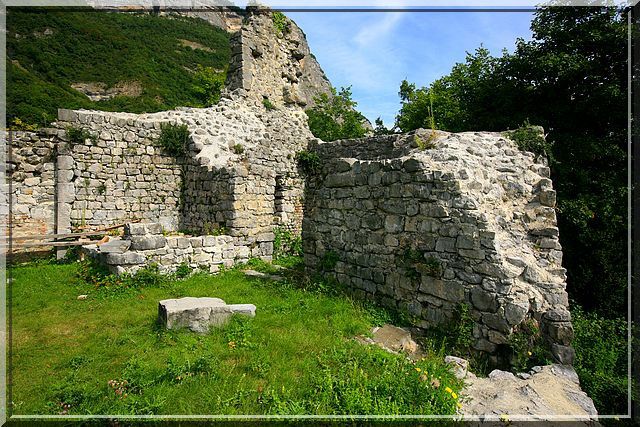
{"points": [[529, 353], [455, 396], [459, 405], [448, 390], [418, 369]]}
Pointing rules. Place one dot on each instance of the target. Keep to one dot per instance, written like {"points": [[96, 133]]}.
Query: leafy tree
{"points": [[570, 79], [334, 117], [380, 128]]}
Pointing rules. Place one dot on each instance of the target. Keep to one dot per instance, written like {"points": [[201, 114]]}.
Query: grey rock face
{"points": [[115, 246], [199, 314]]}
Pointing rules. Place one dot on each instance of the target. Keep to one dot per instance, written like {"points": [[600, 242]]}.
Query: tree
{"points": [[570, 79], [334, 117]]}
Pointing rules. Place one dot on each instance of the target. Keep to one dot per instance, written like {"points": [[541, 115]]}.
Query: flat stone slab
{"points": [[115, 246], [259, 275], [199, 314]]}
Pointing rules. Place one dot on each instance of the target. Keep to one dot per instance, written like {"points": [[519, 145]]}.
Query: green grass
{"points": [[295, 357], [108, 48]]}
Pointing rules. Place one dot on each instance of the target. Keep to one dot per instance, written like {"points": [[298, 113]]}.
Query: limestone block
{"points": [[147, 242], [199, 314], [115, 246]]}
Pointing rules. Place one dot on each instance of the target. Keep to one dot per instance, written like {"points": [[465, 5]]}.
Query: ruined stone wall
{"points": [[240, 156], [120, 174], [469, 221], [146, 243], [279, 66], [31, 170]]}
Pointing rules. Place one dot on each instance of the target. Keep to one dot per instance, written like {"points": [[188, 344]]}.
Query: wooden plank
{"points": [[32, 245], [68, 235]]}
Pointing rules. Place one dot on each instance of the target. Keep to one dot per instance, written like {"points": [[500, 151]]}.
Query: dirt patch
{"points": [[194, 45], [98, 91]]}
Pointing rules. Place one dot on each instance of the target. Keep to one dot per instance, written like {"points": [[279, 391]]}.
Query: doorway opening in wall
{"points": [[278, 202]]}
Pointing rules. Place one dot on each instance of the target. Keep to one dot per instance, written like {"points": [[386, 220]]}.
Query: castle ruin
{"points": [[470, 220]]}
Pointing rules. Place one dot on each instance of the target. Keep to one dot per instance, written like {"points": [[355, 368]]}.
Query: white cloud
{"points": [[379, 30]]}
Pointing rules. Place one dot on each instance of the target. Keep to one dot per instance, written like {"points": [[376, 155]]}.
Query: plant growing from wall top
{"points": [[281, 23], [530, 138], [174, 139]]}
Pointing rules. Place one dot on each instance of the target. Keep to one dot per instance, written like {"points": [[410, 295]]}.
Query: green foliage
{"points": [[380, 128], [183, 270], [309, 163], [209, 85], [425, 145], [110, 48], [280, 23], [238, 149], [601, 360], [329, 260], [286, 243], [530, 138], [212, 229], [77, 136], [268, 104], [101, 189], [544, 82], [334, 117], [174, 139], [456, 336], [415, 264], [526, 347]]}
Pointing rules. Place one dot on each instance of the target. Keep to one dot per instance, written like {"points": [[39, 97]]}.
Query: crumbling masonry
{"points": [[471, 220]]}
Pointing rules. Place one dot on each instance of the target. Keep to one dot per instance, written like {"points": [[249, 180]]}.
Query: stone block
{"points": [[126, 258], [144, 243], [116, 246]]}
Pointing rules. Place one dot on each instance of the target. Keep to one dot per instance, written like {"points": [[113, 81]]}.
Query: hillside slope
{"points": [[134, 62]]}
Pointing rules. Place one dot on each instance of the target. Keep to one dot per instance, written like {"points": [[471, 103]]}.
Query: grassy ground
{"points": [[108, 48], [107, 355]]}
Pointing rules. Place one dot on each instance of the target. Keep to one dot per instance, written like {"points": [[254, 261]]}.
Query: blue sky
{"points": [[374, 51]]}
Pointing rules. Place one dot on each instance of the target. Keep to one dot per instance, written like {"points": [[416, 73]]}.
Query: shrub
{"points": [[527, 347], [174, 139], [334, 116], [281, 23], [601, 360], [268, 104], [425, 145], [77, 136], [183, 270], [309, 163], [238, 149], [530, 138], [209, 85], [329, 260], [286, 243]]}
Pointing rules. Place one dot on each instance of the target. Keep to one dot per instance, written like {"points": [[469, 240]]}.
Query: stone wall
{"points": [[31, 165], [146, 243], [239, 173], [273, 65], [470, 221]]}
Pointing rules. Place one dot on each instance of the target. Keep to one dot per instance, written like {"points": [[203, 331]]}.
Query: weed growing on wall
{"points": [[174, 139], [329, 260], [78, 136], [268, 104], [530, 138], [281, 23], [527, 348], [286, 243], [309, 163]]}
